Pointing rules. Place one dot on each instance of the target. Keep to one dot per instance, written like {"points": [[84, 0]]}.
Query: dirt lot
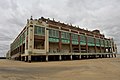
{"points": [[91, 69]]}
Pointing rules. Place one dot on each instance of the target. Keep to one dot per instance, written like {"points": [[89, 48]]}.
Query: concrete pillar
{"points": [[86, 44], [79, 44], [60, 42], [60, 58], [29, 58], [80, 57], [46, 41], [71, 43], [46, 57], [25, 59], [95, 44], [100, 46], [71, 57]]}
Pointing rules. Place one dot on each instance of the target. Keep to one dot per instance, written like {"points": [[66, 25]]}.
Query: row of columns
{"points": [[87, 56], [29, 57]]}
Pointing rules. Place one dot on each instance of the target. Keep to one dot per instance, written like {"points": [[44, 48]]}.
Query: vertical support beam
{"points": [[86, 43], [71, 45], [30, 39], [60, 58], [60, 42], [29, 58], [104, 47], [95, 44], [25, 59], [100, 46], [47, 41], [46, 57], [79, 43], [71, 57], [111, 45], [107, 47], [79, 56], [115, 48], [70, 42]]}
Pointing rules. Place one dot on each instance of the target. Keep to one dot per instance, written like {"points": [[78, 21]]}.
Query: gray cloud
{"points": [[90, 14]]}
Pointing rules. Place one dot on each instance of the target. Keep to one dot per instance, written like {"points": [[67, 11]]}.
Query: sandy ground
{"points": [[91, 69]]}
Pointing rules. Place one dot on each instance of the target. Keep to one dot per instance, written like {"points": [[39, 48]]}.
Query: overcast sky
{"points": [[89, 14]]}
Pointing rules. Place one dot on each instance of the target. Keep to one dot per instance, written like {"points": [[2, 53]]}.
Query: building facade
{"points": [[44, 39]]}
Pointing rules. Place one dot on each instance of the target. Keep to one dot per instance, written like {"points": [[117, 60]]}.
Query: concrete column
{"points": [[71, 57], [25, 59], [29, 58], [30, 39], [79, 44], [104, 46], [80, 57], [86, 43], [60, 42], [100, 46], [46, 57], [60, 58], [95, 44], [70, 43], [46, 41]]}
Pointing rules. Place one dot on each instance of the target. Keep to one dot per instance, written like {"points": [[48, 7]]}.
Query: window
{"points": [[54, 33], [102, 42], [97, 41], [74, 37], [106, 43], [65, 35], [90, 40], [39, 30], [82, 38]]}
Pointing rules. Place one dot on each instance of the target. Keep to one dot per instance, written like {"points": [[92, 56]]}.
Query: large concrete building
{"points": [[44, 39]]}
